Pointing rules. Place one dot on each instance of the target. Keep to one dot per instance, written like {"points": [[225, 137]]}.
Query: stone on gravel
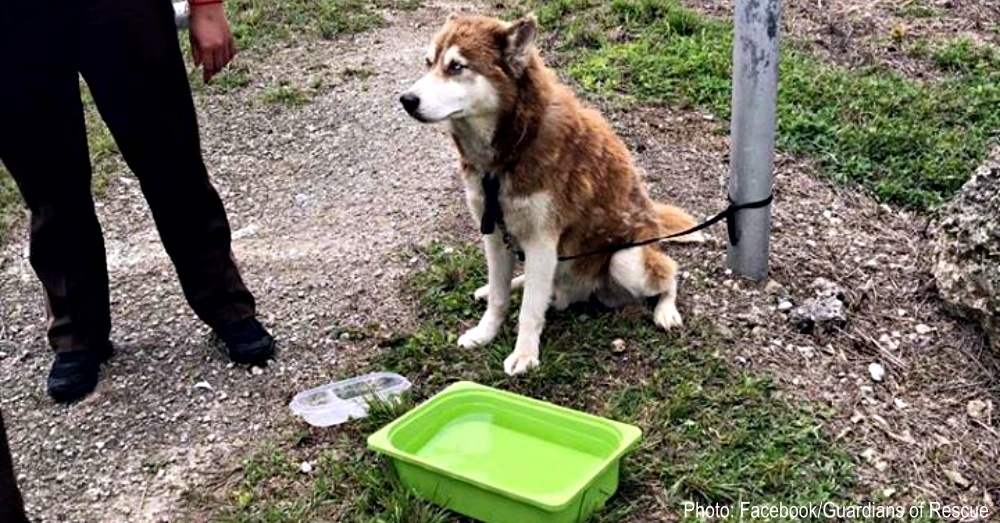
{"points": [[966, 250], [978, 409], [618, 345], [876, 371], [957, 478], [785, 306], [828, 289], [306, 467], [823, 315], [775, 288]]}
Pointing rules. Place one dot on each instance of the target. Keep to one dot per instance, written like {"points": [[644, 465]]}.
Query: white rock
{"points": [[900, 404], [204, 385], [876, 371], [306, 467], [785, 305], [978, 408], [618, 345], [256, 371], [923, 329], [957, 478]]}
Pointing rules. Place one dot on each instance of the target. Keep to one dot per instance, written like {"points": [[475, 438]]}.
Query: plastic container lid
{"points": [[339, 401]]}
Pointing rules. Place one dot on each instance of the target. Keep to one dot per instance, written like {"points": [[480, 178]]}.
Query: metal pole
{"points": [[755, 94]]}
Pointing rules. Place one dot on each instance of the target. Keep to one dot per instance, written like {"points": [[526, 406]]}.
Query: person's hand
{"points": [[212, 45]]}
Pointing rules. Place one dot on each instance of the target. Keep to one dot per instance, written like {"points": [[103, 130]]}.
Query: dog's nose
{"points": [[410, 102]]}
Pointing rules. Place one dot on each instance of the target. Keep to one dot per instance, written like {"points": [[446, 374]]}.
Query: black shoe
{"points": [[247, 342], [74, 374]]}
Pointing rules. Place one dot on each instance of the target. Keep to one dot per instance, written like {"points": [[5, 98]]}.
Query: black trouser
{"points": [[129, 55], [11, 506]]}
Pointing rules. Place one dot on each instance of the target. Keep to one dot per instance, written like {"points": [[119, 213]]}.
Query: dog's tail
{"points": [[674, 220]]}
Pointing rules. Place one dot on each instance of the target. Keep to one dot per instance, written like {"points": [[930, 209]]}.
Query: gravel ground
{"points": [[325, 200]]}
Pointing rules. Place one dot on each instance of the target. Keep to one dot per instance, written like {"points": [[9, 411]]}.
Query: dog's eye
{"points": [[455, 67]]}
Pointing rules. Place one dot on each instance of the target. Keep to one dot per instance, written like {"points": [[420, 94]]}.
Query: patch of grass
{"points": [[263, 22], [963, 55], [286, 93], [235, 77], [917, 9], [361, 73], [104, 154], [911, 143], [712, 433]]}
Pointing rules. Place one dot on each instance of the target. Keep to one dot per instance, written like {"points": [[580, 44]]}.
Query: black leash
{"points": [[729, 214], [493, 214]]}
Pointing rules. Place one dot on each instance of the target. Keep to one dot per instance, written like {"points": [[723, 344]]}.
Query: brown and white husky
{"points": [[567, 184]]}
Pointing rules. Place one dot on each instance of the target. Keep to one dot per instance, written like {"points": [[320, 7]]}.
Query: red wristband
{"points": [[199, 3]]}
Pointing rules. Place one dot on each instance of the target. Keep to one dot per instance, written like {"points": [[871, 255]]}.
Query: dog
{"points": [[566, 183]]}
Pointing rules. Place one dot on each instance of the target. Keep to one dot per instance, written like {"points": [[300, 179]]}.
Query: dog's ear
{"points": [[521, 43]]}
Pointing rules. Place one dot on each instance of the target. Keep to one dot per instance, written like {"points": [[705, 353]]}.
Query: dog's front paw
{"points": [[482, 293], [667, 317], [520, 362], [475, 337]]}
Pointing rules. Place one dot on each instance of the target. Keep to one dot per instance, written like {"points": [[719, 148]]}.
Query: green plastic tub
{"points": [[503, 458]]}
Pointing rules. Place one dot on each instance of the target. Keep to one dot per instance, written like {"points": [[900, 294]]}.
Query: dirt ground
{"points": [[326, 199]]}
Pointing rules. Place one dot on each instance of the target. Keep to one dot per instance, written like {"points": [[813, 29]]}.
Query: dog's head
{"points": [[473, 65]]}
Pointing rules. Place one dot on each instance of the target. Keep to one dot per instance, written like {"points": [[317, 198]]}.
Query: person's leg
{"points": [[131, 59], [11, 505], [43, 144]]}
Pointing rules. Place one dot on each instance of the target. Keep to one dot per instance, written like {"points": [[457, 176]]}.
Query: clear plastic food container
{"points": [[337, 402]]}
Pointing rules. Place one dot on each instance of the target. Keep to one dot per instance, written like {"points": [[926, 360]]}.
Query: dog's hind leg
{"points": [[500, 265], [645, 272], [484, 292]]}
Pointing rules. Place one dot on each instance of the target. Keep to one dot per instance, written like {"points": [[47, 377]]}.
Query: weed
{"points": [[963, 55], [265, 22], [286, 93]]}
